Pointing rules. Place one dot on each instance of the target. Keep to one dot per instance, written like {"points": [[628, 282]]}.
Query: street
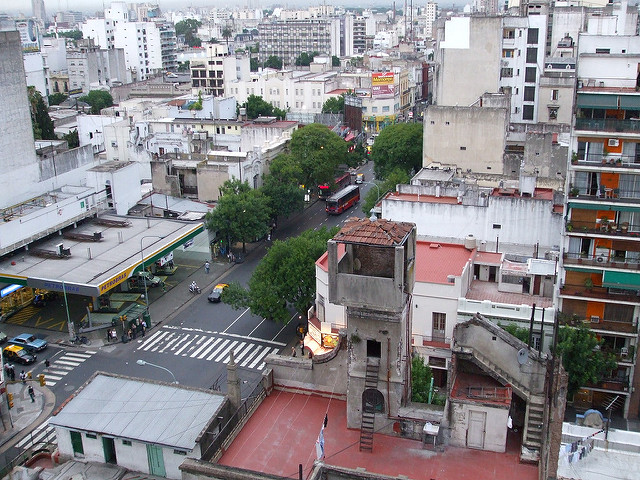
{"points": [[194, 344]]}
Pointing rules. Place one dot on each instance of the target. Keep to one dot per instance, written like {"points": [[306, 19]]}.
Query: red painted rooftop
{"points": [[480, 290], [488, 258], [282, 433], [435, 261]]}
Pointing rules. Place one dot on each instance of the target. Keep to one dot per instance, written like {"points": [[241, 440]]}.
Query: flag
{"points": [[320, 445]]}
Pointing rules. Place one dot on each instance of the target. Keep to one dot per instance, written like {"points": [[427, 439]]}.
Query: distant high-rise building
{"points": [[37, 7]]}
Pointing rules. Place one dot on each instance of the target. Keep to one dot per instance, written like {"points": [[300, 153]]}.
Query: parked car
{"points": [[216, 293], [29, 342], [17, 354], [150, 278], [3, 337]]}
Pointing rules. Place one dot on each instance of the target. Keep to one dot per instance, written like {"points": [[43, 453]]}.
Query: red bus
{"points": [[325, 191], [343, 200]]}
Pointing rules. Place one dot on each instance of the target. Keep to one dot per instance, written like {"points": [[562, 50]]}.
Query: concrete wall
{"points": [[495, 437], [621, 69], [18, 163], [125, 185], [75, 161], [524, 221], [467, 137], [210, 178]]}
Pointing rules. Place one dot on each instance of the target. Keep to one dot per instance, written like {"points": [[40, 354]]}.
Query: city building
{"points": [[211, 74], [38, 11], [91, 67]]}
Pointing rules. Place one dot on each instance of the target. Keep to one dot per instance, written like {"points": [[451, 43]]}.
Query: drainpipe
{"points": [[388, 376], [533, 312]]}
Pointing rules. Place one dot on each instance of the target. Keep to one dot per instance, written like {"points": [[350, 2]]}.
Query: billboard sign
{"points": [[29, 35], [382, 84]]}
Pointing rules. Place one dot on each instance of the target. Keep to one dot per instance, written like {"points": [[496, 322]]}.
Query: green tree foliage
{"points": [[357, 156], [227, 33], [335, 61], [394, 178], [73, 34], [40, 120], [520, 333], [273, 62], [582, 358], [253, 64], [421, 376], [318, 151], [189, 28], [398, 146], [305, 59], [285, 276], [98, 99], [183, 66], [57, 98], [72, 139], [281, 186], [241, 214], [334, 105], [197, 105], [256, 106]]}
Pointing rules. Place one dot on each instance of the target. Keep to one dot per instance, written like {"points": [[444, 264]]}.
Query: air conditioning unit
{"points": [[613, 142], [601, 258], [594, 319]]}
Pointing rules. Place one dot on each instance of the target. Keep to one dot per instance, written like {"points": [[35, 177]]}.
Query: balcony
{"points": [[614, 384], [436, 341], [610, 161], [627, 328], [608, 125], [610, 228], [599, 293]]}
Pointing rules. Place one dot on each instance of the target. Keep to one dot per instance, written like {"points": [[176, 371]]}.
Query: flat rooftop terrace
{"points": [[282, 434]]}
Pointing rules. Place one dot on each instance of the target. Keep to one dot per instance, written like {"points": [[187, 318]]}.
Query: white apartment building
{"points": [[430, 13], [90, 67], [211, 73]]}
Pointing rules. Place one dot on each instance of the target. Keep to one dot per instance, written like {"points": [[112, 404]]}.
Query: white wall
{"points": [[125, 186], [496, 426], [616, 69]]}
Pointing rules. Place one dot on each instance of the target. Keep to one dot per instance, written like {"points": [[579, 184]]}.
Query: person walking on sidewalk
{"points": [[32, 394], [23, 377], [206, 267]]}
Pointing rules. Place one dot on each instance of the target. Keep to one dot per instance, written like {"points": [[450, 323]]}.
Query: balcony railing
{"points": [[615, 384], [603, 324], [610, 227], [611, 160], [600, 293], [607, 125], [601, 261]]}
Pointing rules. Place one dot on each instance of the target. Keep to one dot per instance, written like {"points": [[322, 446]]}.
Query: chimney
{"points": [[233, 383]]}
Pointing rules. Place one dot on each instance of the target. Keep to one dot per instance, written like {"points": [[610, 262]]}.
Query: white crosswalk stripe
{"points": [[62, 365], [210, 346], [44, 433]]}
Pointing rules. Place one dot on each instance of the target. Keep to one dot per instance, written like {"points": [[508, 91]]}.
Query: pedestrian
{"points": [[164, 287], [12, 372], [129, 334], [206, 267], [47, 363], [144, 327], [293, 351], [32, 394], [23, 377], [302, 347], [269, 237]]}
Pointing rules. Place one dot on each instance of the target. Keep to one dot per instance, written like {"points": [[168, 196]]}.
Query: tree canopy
{"points": [[582, 358], [318, 151], [421, 376], [253, 64], [40, 119], [57, 98], [256, 106], [189, 28], [273, 62], [281, 186], [398, 146], [334, 104], [241, 214], [72, 34], [374, 194], [284, 277], [335, 61], [72, 139], [305, 59], [98, 99]]}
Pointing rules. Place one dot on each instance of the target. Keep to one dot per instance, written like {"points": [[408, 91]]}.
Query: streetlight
{"points": [[373, 216], [144, 277], [142, 362]]}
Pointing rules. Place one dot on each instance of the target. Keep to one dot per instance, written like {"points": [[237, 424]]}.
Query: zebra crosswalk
{"points": [[211, 346], [62, 365], [40, 436]]}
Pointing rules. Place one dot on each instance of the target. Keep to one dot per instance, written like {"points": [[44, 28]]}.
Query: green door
{"points": [[156, 461], [76, 443], [109, 448]]}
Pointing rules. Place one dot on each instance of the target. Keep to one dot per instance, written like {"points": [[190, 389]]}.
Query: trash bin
{"points": [[147, 318]]}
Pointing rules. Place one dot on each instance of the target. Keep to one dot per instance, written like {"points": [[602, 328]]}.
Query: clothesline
{"points": [[579, 450]]}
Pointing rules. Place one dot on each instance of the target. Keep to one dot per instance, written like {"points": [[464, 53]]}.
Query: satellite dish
{"points": [[523, 356]]}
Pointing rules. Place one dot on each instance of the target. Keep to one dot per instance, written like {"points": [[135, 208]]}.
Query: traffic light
{"points": [[43, 382], [10, 399]]}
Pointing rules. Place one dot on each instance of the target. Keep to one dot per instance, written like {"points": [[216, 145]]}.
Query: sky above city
{"points": [[91, 6]]}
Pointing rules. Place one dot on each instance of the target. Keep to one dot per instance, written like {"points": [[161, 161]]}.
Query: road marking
{"points": [[179, 351], [254, 351], [156, 337], [226, 351], [203, 346], [259, 357], [185, 339], [42, 433], [217, 350], [235, 357], [263, 364], [232, 323], [62, 362], [283, 327], [263, 320]]}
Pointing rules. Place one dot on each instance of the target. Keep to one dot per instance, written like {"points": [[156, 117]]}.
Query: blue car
{"points": [[29, 342]]}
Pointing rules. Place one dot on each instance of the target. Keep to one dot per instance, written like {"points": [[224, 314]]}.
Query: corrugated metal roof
{"points": [[377, 232], [149, 412]]}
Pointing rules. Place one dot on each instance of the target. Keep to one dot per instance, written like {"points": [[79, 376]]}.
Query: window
{"points": [[532, 36], [508, 33], [374, 349], [91, 435], [530, 74], [527, 112], [529, 94], [506, 73], [603, 50], [555, 94], [439, 322], [437, 362], [553, 113], [463, 148], [532, 55], [179, 452], [126, 442], [507, 53], [385, 108]]}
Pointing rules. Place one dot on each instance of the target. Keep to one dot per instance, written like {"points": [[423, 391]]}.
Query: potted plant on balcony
{"points": [[574, 157], [605, 154], [588, 284], [574, 191]]}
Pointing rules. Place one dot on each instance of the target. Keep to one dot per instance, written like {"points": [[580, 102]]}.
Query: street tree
{"points": [[318, 151], [57, 98], [335, 61], [40, 119], [273, 62], [189, 28], [305, 59], [227, 33], [582, 357], [284, 278], [334, 105], [98, 99], [394, 178], [241, 214], [398, 146], [281, 186]]}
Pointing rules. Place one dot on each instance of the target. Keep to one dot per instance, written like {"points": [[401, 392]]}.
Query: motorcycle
{"points": [[193, 288]]}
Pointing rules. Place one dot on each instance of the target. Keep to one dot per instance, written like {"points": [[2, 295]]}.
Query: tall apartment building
{"points": [[601, 251], [91, 67], [37, 7], [430, 13], [287, 39], [211, 74]]}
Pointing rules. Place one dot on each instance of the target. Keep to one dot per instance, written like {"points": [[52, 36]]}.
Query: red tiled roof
{"points": [[379, 232], [435, 261], [338, 91]]}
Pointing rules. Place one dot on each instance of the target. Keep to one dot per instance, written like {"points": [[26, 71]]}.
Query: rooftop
{"points": [[480, 290], [378, 232], [435, 261], [151, 412], [282, 433], [480, 388]]}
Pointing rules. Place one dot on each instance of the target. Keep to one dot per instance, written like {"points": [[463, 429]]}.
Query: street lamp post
{"points": [[373, 215], [144, 278], [142, 362]]}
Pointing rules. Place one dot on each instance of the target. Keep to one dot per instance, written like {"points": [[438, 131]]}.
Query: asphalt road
{"points": [[194, 345]]}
